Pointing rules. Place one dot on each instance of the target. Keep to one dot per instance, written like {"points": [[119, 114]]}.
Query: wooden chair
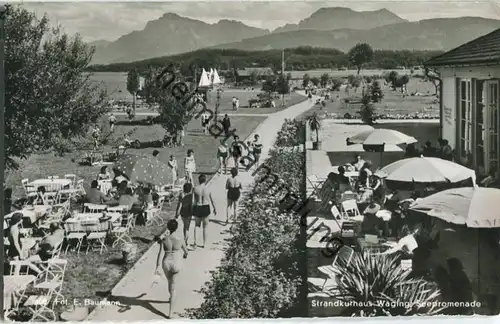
{"points": [[72, 177], [121, 232]]}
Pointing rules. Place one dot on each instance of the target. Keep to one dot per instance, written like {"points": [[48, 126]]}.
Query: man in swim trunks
{"points": [[236, 150], [233, 187], [202, 198]]}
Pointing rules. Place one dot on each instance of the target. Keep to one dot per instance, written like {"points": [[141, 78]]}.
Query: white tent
{"points": [[216, 78], [204, 80]]}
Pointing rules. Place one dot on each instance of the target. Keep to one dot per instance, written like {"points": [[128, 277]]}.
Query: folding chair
{"points": [[349, 208], [51, 197], [41, 304], [121, 232], [60, 210], [74, 232], [72, 178], [348, 195], [122, 210], [96, 232], [153, 215], [336, 213], [52, 276], [79, 186], [345, 253], [93, 208]]}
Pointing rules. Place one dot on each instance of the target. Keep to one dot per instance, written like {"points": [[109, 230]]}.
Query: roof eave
{"points": [[468, 64]]}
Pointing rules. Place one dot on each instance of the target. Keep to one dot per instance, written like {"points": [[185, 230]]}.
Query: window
{"points": [[465, 109]]}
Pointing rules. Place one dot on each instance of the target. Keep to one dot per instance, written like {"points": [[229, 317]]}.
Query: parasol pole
{"points": [[381, 154]]}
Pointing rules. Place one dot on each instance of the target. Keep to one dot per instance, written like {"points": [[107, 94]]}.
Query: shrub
{"points": [[260, 274], [291, 133], [381, 287]]}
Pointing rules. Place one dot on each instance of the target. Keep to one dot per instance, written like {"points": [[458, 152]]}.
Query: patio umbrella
{"points": [[474, 207], [427, 170], [144, 169], [375, 139]]}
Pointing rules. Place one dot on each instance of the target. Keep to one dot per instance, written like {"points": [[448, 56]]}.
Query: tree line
{"points": [[297, 59]]}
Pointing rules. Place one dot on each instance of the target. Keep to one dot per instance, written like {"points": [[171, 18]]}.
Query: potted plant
{"points": [[314, 122]]}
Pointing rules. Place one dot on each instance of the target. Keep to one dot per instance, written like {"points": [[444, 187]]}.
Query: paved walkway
{"points": [[153, 113], [142, 301]]}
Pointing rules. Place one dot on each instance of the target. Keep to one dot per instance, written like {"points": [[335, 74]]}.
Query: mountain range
{"points": [[339, 28]]}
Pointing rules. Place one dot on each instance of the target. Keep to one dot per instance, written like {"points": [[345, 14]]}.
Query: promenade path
{"points": [[139, 299]]}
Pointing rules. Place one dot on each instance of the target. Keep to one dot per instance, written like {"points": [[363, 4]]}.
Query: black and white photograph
{"points": [[249, 159]]}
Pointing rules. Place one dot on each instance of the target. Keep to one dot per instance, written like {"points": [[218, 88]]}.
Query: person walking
{"points": [[189, 165], [201, 207], [233, 187], [222, 155], [171, 264], [234, 103], [185, 209], [237, 104], [226, 125], [236, 150], [112, 121], [257, 149], [172, 163]]}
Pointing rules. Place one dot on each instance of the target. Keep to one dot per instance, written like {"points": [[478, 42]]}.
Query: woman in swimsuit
{"points": [[233, 187], [171, 263], [185, 208], [189, 165], [236, 151], [15, 251], [222, 156]]}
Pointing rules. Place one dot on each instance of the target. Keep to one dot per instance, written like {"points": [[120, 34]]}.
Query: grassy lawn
{"points": [[91, 273], [243, 95], [393, 102]]}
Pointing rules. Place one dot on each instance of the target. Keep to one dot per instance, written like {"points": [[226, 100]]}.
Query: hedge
{"points": [[292, 133], [262, 274]]}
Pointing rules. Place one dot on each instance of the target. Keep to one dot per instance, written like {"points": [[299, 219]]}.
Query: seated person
{"points": [[407, 244], [344, 183], [492, 177], [146, 198], [127, 198], [119, 177], [104, 174], [40, 198], [364, 175], [46, 247], [7, 201], [95, 196], [358, 162]]}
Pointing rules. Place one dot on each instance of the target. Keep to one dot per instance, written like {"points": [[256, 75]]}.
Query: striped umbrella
{"points": [[144, 169]]}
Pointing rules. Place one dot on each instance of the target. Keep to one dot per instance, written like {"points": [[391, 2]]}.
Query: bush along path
{"points": [[135, 298], [261, 274]]}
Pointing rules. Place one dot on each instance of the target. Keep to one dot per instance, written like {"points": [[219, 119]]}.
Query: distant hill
{"points": [[343, 18], [172, 34], [432, 34], [339, 28]]}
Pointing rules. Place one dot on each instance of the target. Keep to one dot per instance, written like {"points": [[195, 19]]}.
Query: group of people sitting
{"points": [[137, 198]]}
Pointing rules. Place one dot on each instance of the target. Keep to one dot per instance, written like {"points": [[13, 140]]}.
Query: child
{"points": [[189, 165]]}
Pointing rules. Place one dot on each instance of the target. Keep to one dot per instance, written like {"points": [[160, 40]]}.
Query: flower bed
{"points": [[291, 133], [261, 275]]}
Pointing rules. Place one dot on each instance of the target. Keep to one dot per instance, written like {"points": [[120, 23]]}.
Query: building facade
{"points": [[470, 101]]}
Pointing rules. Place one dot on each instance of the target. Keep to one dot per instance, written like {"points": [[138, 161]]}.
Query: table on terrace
{"points": [[51, 184]]}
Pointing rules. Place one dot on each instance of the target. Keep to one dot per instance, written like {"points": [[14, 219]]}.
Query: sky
{"points": [[112, 19]]}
